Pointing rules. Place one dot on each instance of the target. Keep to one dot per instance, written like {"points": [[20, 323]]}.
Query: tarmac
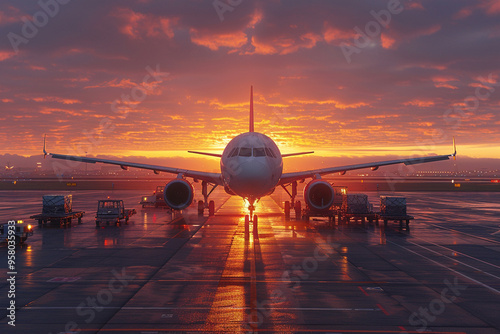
{"points": [[190, 274]]}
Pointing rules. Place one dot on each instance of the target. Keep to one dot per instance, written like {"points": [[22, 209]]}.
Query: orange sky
{"points": [[156, 78]]}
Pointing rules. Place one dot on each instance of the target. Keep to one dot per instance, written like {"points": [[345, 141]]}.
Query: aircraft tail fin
{"points": [[251, 110]]}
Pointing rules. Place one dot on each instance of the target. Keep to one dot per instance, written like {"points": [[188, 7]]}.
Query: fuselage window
{"points": [[234, 152], [245, 152], [259, 152], [270, 153]]}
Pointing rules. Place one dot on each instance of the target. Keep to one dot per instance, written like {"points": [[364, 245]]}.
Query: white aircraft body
{"points": [[251, 167]]}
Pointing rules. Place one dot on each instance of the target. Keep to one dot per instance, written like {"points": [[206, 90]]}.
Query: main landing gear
{"points": [[292, 205], [205, 203], [297, 207]]}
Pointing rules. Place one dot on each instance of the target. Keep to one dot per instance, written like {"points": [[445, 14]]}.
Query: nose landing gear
{"points": [[251, 218]]}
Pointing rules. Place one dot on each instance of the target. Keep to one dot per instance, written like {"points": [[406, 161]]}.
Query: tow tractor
{"points": [[112, 211], [155, 200], [21, 231]]}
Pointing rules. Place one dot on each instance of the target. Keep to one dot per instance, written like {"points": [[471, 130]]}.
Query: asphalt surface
{"points": [[181, 274]]}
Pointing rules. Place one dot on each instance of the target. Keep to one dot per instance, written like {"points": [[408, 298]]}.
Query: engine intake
{"points": [[318, 195], [178, 194]]}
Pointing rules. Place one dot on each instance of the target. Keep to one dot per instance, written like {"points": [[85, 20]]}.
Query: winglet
{"points": [[454, 150], [251, 110], [44, 151]]}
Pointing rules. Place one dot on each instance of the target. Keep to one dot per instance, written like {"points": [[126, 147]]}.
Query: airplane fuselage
{"points": [[251, 165]]}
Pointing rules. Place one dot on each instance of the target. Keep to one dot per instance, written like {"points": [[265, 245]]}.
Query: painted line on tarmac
{"points": [[470, 235], [444, 266], [152, 308]]}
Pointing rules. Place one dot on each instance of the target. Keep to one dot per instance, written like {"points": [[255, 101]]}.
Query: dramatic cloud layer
{"points": [[120, 77]]}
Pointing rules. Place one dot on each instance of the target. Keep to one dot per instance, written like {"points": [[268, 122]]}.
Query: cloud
{"points": [[233, 41], [6, 55], [387, 41], [430, 57], [123, 83], [138, 25], [46, 99], [445, 82], [419, 103], [492, 7]]}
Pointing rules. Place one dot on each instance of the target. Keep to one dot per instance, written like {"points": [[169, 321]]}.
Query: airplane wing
{"points": [[214, 178], [290, 177]]}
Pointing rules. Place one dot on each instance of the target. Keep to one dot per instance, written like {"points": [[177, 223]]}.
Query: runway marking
{"points": [[253, 283], [363, 290], [455, 260], [200, 308], [442, 265], [383, 309], [246, 280], [470, 235], [159, 330], [466, 255]]}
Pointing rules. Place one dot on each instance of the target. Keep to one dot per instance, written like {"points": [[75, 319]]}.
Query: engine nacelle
{"points": [[178, 194], [318, 195]]}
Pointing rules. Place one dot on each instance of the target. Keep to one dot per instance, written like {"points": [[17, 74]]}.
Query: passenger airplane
{"points": [[251, 167]]}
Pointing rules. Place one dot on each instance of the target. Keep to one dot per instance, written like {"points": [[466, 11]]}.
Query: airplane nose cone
{"points": [[252, 178], [254, 171]]}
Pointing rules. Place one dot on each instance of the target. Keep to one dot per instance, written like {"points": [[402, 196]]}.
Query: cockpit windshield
{"points": [[248, 152], [245, 152], [259, 152], [234, 152]]}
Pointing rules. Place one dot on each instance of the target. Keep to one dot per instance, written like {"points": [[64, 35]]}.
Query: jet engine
{"points": [[178, 194], [318, 195]]}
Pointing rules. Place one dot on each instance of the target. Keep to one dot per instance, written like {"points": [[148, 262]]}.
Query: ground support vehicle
{"points": [[155, 200], [112, 211], [21, 231]]}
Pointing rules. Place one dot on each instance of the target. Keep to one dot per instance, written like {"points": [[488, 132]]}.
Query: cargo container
{"points": [[355, 203], [58, 209], [393, 206], [57, 204]]}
